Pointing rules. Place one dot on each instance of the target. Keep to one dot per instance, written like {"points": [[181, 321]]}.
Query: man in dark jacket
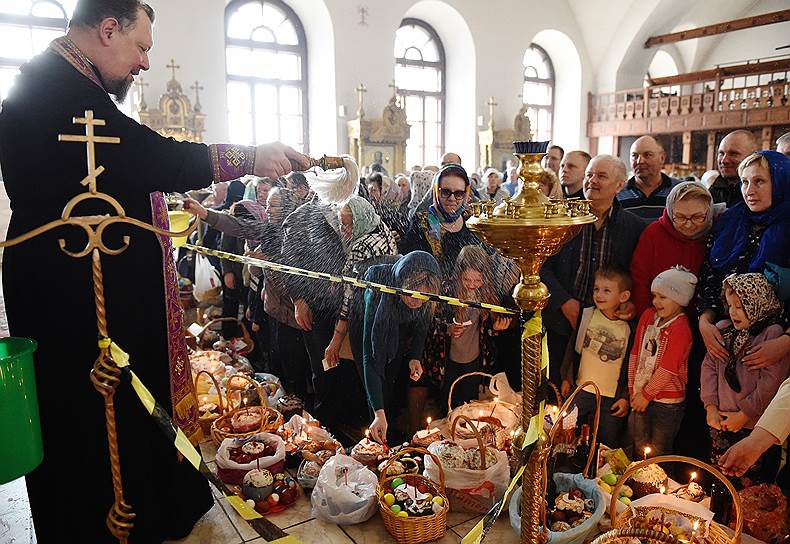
{"points": [[645, 194], [570, 274], [734, 147]]}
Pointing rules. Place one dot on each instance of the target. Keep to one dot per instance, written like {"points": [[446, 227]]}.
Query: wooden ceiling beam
{"points": [[780, 65], [719, 28]]}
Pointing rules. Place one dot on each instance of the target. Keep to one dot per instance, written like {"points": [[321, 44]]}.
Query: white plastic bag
{"points": [[471, 490], [271, 397], [207, 281], [223, 454], [500, 388], [345, 492]]}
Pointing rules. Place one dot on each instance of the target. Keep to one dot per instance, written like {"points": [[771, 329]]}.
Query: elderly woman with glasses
{"points": [[677, 238], [747, 238]]}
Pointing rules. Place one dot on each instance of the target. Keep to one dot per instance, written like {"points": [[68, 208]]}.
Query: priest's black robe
{"points": [[49, 297]]}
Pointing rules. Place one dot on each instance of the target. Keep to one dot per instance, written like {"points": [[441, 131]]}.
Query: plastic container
{"points": [[21, 449]]}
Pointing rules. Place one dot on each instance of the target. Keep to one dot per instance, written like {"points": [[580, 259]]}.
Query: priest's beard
{"points": [[120, 88]]}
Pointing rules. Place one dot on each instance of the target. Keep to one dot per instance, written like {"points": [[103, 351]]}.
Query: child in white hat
{"points": [[658, 366]]}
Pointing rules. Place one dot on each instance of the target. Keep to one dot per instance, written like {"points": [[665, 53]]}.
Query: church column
{"points": [[710, 157], [686, 159], [767, 138]]}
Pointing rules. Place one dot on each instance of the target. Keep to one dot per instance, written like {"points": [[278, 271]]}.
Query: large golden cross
{"points": [[197, 87], [173, 66], [491, 105], [361, 90], [90, 138]]}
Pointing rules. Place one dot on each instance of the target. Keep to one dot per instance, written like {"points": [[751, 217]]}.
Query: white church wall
{"points": [[484, 49]]}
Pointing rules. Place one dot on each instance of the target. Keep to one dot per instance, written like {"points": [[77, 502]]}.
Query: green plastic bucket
{"points": [[21, 449]]}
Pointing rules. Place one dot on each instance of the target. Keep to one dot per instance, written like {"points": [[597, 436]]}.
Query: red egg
{"points": [[262, 507]]}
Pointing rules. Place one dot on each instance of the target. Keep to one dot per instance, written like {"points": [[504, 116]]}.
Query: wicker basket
{"points": [[245, 334], [207, 420], [414, 530], [626, 536], [716, 534], [501, 432], [271, 419]]}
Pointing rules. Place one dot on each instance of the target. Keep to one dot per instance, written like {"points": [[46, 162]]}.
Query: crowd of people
{"points": [[673, 302]]}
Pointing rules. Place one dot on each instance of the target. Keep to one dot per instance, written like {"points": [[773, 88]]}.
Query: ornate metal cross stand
{"points": [[105, 374]]}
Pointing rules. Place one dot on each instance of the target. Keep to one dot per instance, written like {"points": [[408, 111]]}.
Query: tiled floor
{"points": [[222, 525]]}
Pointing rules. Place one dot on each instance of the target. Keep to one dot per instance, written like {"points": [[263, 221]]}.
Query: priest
{"points": [[49, 295]]}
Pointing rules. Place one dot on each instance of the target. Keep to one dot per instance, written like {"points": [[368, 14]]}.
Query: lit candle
{"points": [[693, 477], [428, 427], [694, 530], [367, 434], [647, 452], [663, 489], [496, 400]]}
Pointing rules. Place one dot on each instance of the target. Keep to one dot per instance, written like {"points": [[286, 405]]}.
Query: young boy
{"points": [[658, 366], [598, 352]]}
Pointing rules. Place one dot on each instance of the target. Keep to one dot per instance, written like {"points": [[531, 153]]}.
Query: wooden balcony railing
{"points": [[754, 94]]}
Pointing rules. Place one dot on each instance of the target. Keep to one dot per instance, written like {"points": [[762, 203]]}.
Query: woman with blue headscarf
{"points": [[749, 237], [395, 327]]}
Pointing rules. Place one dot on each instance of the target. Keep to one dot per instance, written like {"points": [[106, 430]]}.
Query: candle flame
{"points": [[663, 489], [696, 525], [429, 420], [693, 476], [647, 450], [367, 433]]}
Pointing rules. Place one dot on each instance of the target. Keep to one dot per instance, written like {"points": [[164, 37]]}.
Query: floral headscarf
{"points": [[364, 218], [762, 308]]}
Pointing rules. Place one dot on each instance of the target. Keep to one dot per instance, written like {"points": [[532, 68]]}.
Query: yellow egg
{"points": [[403, 514], [389, 499], [438, 500]]}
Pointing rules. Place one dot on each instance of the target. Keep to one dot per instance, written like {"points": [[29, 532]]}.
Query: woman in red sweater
{"points": [[677, 238]]}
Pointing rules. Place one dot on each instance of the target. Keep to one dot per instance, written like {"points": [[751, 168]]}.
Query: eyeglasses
{"points": [[447, 193], [697, 219]]}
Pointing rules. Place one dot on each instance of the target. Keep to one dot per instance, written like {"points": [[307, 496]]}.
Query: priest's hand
{"points": [[744, 453], [195, 208], [275, 160]]}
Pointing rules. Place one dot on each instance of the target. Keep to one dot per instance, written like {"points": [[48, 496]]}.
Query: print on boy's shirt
{"points": [[602, 344]]}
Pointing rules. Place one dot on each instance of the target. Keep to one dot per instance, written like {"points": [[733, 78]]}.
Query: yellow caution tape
{"points": [[290, 539], [355, 282], [186, 448], [240, 505], [475, 535]]}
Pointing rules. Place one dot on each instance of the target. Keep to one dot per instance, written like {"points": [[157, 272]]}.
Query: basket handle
{"points": [[216, 320], [421, 451], [564, 411], [458, 379], [257, 387], [480, 444], [557, 393], [632, 532], [216, 386], [736, 500]]}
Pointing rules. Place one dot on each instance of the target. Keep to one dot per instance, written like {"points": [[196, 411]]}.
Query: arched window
{"points": [[27, 27], [538, 91], [419, 77], [266, 66]]}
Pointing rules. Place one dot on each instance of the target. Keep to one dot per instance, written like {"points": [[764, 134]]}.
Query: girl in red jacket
{"points": [[658, 366]]}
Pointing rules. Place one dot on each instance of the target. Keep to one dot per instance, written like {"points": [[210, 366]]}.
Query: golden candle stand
{"points": [[529, 228], [105, 374]]}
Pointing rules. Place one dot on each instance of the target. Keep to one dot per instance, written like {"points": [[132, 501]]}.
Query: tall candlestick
{"points": [[646, 452]]}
